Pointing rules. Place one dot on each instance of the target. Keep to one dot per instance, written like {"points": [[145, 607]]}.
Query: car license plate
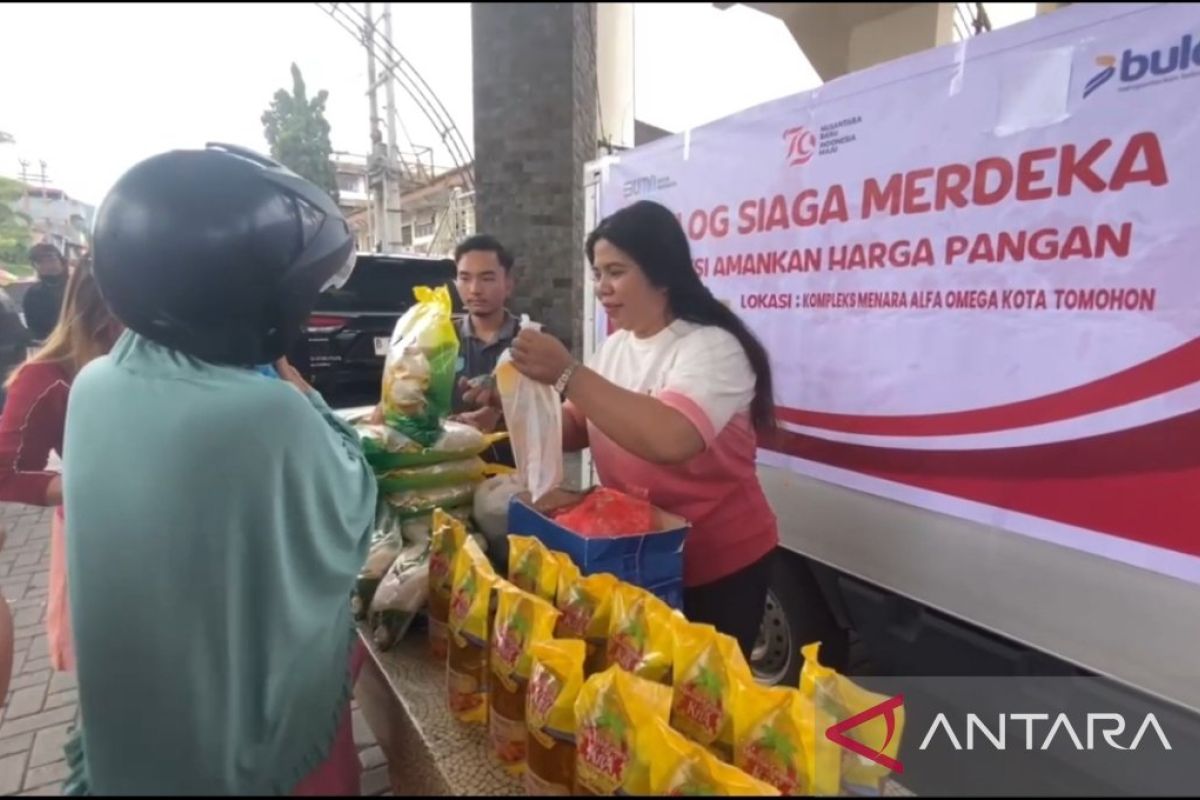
{"points": [[381, 345]]}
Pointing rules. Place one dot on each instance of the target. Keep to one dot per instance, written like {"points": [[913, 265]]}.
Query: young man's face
{"points": [[49, 265], [482, 282]]}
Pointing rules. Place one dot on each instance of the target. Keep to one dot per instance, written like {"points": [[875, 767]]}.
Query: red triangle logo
{"points": [[837, 733]]}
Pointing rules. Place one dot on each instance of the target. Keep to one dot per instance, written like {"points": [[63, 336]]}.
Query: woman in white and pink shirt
{"points": [[673, 404]]}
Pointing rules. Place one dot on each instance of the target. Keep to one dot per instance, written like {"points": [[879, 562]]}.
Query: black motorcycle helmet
{"points": [[218, 253]]}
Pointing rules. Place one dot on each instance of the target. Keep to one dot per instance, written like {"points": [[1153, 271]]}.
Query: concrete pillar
{"points": [[843, 37], [614, 68], [911, 29], [1046, 8], [534, 67]]}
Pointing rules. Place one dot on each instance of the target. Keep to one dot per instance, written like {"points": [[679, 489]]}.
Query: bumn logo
{"points": [[1102, 77], [1137, 66], [647, 184], [887, 709], [802, 145]]}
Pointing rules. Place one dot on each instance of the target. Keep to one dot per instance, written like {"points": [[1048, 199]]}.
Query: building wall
{"points": [[908, 30], [58, 219], [535, 128], [645, 133]]}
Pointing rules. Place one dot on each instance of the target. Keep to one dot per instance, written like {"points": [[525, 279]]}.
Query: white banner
{"points": [[975, 272]]}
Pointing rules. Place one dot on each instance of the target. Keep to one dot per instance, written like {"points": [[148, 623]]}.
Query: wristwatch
{"points": [[560, 385]]}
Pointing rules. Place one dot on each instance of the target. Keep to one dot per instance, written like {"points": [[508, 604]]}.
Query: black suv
{"points": [[347, 334]]}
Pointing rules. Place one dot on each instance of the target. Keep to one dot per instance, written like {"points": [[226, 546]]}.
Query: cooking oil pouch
{"points": [[835, 699], [612, 713], [470, 607], [681, 768], [522, 619], [419, 530], [706, 665], [418, 373], [555, 679], [568, 574], [773, 728], [449, 534], [532, 567], [586, 606], [640, 634]]}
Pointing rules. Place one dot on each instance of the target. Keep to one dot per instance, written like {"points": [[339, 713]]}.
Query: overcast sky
{"points": [[94, 88]]}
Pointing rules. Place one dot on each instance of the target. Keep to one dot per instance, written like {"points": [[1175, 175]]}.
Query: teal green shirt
{"points": [[216, 520]]}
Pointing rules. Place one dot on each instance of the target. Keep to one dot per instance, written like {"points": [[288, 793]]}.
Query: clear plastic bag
{"points": [[418, 374], [386, 544], [384, 551], [607, 512], [388, 449], [467, 470], [533, 414], [490, 513], [401, 594], [416, 502]]}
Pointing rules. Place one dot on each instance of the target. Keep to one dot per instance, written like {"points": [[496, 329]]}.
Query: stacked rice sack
{"points": [[422, 461]]}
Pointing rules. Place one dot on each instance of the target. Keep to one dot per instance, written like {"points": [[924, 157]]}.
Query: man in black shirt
{"points": [[43, 300], [484, 282]]}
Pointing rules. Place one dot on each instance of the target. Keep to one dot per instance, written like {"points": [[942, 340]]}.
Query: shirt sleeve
{"points": [[29, 428], [344, 430], [709, 381], [332, 490]]}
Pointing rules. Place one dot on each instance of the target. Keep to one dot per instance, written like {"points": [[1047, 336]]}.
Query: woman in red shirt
{"points": [[32, 425], [673, 404]]}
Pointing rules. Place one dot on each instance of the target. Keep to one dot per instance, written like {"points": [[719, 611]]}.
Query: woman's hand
{"points": [[54, 495], [479, 392], [292, 375], [484, 420], [540, 357]]}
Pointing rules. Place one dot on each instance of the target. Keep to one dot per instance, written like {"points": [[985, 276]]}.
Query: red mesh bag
{"points": [[607, 512]]}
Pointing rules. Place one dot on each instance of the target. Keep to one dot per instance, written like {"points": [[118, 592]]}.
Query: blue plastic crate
{"points": [[652, 561]]}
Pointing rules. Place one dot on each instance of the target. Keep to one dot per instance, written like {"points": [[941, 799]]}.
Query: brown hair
{"points": [[85, 330]]}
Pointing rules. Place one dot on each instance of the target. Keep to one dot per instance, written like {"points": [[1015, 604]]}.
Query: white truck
{"points": [[974, 270]]}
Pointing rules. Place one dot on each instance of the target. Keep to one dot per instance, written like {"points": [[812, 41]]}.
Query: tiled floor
{"points": [[41, 705]]}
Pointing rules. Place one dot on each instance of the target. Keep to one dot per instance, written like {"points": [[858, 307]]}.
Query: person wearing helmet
{"points": [[216, 516]]}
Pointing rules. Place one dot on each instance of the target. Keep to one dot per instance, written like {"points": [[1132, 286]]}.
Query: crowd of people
{"points": [[213, 512]]}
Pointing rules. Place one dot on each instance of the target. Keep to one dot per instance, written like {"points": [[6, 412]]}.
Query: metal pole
{"points": [[391, 129], [369, 43], [381, 196], [25, 187]]}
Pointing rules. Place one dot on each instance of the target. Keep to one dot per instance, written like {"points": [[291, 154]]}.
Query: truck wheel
{"points": [[796, 614], [774, 652]]}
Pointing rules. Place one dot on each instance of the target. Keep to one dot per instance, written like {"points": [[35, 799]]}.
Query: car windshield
{"points": [[386, 285]]}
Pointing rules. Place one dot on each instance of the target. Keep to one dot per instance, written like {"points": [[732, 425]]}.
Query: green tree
{"points": [[298, 133], [15, 234]]}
